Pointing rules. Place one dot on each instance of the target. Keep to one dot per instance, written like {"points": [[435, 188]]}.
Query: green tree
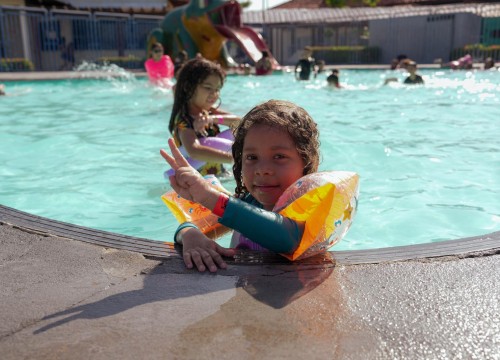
{"points": [[336, 3], [245, 4], [371, 3]]}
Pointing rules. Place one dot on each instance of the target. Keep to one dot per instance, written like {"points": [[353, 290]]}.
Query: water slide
{"points": [[204, 26], [250, 41]]}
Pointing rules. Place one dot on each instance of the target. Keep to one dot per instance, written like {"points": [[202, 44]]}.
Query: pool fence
{"points": [[37, 39]]}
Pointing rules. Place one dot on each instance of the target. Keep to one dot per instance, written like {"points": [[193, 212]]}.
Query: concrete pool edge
{"points": [[482, 245], [101, 74]]}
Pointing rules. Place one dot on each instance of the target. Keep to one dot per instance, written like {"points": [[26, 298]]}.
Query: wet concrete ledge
{"points": [[466, 247], [75, 293]]}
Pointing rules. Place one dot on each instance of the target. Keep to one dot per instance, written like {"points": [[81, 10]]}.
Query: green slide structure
{"points": [[205, 26]]}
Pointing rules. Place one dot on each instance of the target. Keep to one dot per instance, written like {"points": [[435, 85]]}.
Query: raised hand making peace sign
{"points": [[187, 181]]}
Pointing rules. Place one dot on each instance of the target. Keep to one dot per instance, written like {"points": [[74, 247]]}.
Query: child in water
{"points": [[413, 78], [194, 114], [333, 79], [159, 66], [275, 144]]}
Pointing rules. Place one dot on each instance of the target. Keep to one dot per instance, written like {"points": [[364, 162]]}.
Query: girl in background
{"points": [[195, 114], [159, 67]]}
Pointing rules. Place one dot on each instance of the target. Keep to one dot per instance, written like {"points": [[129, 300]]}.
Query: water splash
{"points": [[107, 71]]}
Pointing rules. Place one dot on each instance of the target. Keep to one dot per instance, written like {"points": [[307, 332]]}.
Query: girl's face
{"points": [[270, 164], [206, 94], [157, 53]]}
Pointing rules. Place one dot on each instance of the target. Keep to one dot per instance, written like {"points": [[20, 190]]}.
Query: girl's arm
{"points": [[199, 152], [225, 119], [189, 184], [269, 229]]}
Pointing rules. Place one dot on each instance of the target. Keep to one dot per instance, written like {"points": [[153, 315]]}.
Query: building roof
{"points": [[132, 6], [342, 15], [302, 4], [109, 4], [317, 4]]}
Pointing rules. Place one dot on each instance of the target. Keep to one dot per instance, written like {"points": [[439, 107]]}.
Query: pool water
{"points": [[87, 151]]}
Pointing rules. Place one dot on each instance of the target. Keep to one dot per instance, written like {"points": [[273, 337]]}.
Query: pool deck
{"points": [[73, 293], [62, 75], [70, 292]]}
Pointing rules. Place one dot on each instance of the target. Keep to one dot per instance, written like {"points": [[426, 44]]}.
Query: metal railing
{"points": [[37, 39], [62, 39]]}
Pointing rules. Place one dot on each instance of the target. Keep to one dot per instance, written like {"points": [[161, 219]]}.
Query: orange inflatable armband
{"points": [[185, 210], [326, 202]]}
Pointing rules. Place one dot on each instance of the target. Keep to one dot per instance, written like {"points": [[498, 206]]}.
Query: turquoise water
{"points": [[87, 151]]}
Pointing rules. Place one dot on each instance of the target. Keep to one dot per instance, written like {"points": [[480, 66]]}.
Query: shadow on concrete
{"points": [[278, 291], [275, 286], [156, 288]]}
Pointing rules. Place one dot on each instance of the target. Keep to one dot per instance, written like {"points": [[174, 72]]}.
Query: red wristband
{"points": [[221, 204], [220, 119]]}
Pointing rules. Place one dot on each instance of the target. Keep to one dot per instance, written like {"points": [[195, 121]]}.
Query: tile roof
{"points": [[109, 4], [339, 15], [315, 4], [301, 4]]}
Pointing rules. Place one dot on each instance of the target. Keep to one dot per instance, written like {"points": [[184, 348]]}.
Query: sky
{"points": [[260, 4]]}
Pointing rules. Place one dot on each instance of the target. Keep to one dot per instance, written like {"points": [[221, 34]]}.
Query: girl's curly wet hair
{"points": [[284, 116], [192, 73]]}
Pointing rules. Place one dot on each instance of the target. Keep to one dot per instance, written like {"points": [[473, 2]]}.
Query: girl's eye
{"points": [[208, 88], [279, 156], [250, 157]]}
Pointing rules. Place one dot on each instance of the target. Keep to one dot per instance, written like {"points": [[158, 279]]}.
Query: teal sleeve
{"points": [[269, 229], [183, 226]]}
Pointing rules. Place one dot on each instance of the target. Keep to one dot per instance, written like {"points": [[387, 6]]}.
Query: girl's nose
{"points": [[264, 168]]}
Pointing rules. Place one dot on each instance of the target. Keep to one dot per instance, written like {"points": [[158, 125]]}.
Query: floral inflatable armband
{"points": [[326, 203]]}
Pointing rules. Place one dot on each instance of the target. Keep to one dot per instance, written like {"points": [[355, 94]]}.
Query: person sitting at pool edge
{"points": [[489, 63], [414, 78]]}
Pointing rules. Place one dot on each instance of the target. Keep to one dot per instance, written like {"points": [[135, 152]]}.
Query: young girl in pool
{"points": [[159, 67], [275, 144], [194, 114]]}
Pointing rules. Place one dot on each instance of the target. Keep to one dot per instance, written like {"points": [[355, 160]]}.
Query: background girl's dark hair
{"points": [[285, 116], [192, 73], [157, 45], [154, 46]]}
